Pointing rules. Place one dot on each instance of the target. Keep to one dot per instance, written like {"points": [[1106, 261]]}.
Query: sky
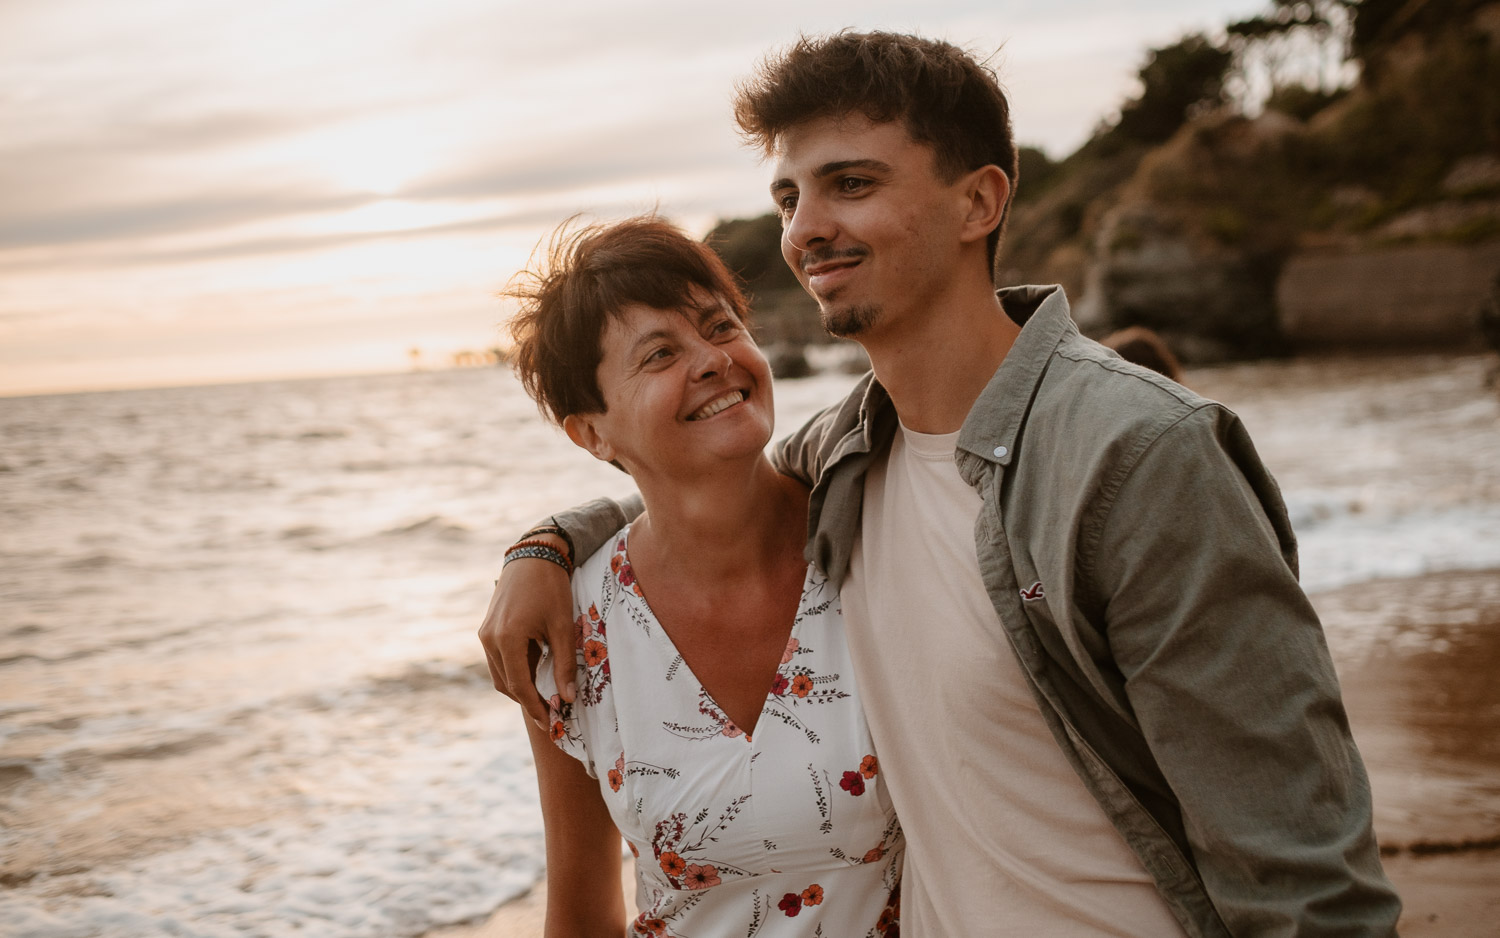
{"points": [[196, 191]]}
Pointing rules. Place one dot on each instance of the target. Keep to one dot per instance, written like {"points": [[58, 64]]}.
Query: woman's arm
{"points": [[583, 847]]}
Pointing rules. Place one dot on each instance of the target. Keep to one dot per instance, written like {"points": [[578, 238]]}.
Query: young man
{"points": [[1102, 702]]}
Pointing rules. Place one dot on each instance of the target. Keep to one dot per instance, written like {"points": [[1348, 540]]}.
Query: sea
{"points": [[240, 689]]}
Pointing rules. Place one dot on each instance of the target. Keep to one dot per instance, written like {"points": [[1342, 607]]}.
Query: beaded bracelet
{"points": [[540, 551], [553, 528]]}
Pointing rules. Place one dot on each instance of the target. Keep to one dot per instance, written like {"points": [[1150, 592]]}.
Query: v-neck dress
{"points": [[786, 833]]}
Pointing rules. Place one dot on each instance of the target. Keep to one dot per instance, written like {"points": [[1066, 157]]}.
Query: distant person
{"points": [[715, 720], [1103, 704], [1144, 347]]}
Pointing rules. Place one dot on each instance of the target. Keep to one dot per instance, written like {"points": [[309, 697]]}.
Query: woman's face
{"points": [[684, 389]]}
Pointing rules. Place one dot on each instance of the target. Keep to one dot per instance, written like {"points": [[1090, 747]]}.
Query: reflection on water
{"points": [[240, 693]]}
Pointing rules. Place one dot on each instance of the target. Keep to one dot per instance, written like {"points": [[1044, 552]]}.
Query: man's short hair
{"points": [[590, 274], [945, 98]]}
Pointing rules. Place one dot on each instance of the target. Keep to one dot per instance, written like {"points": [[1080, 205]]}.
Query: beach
{"points": [[240, 692]]}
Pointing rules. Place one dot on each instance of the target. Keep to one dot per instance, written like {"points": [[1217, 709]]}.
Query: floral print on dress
{"points": [[619, 565], [589, 631], [679, 846], [727, 839]]}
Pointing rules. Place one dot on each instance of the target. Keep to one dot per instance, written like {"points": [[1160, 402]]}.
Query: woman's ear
{"points": [[582, 430], [987, 193]]}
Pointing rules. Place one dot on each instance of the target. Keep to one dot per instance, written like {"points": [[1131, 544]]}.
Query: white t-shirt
{"points": [[1002, 836]]}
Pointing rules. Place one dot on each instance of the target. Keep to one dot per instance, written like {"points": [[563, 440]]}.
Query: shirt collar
{"points": [[994, 421]]}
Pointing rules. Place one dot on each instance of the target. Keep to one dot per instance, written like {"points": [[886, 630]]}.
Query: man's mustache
{"points": [[827, 255]]}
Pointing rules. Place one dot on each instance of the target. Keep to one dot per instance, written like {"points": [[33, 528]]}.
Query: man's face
{"points": [[868, 225]]}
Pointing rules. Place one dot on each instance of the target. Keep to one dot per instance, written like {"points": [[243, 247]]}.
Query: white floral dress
{"points": [[790, 833]]}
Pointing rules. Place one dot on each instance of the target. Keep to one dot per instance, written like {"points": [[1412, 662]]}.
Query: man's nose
{"points": [[811, 224]]}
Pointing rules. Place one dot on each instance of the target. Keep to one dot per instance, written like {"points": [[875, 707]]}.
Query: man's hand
{"points": [[533, 602]]}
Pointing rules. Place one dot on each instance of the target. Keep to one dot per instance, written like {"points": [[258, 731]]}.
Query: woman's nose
{"points": [[713, 360]]}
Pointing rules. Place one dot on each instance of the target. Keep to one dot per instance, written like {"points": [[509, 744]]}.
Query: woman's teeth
{"points": [[718, 404]]}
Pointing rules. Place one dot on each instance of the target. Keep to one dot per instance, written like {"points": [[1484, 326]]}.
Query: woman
{"points": [[716, 724]]}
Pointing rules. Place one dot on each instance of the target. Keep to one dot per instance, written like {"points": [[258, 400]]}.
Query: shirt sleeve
{"points": [[593, 523], [1193, 561]]}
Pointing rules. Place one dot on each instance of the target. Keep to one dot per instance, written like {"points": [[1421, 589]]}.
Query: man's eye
{"points": [[852, 184], [786, 204]]}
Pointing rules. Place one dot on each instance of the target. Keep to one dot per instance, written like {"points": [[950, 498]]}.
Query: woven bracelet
{"points": [[524, 551], [554, 528]]}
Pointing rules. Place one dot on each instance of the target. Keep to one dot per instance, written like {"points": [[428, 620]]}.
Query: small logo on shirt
{"points": [[1033, 592]]}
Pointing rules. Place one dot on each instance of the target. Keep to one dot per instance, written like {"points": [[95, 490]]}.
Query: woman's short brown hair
{"points": [[590, 274]]}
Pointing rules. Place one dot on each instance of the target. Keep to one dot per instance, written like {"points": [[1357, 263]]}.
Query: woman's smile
{"points": [[718, 404]]}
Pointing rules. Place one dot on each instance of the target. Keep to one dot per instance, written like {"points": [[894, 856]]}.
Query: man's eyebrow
{"points": [[828, 169]]}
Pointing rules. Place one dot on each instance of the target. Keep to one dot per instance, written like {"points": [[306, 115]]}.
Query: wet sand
{"points": [[1424, 702], [1418, 659]]}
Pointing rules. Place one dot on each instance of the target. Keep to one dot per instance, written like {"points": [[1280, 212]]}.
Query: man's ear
{"points": [[581, 429], [987, 192]]}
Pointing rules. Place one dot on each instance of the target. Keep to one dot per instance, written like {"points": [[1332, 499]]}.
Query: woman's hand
{"points": [[533, 602]]}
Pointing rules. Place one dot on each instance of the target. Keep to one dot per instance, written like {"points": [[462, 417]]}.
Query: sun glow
{"points": [[378, 158], [390, 215]]}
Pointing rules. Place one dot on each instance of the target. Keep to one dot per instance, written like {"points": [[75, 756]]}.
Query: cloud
{"points": [[209, 211]]}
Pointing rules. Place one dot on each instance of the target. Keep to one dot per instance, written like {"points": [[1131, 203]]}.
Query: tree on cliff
{"points": [[1177, 81], [751, 247], [1378, 24]]}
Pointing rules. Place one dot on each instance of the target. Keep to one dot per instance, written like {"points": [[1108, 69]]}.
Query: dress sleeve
{"points": [[565, 724]]}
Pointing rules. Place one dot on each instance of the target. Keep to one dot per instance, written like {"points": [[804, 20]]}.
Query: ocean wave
{"points": [[308, 435], [448, 841], [161, 748], [1355, 547], [431, 675], [322, 433], [432, 526], [303, 532], [95, 561], [91, 642], [13, 773]]}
